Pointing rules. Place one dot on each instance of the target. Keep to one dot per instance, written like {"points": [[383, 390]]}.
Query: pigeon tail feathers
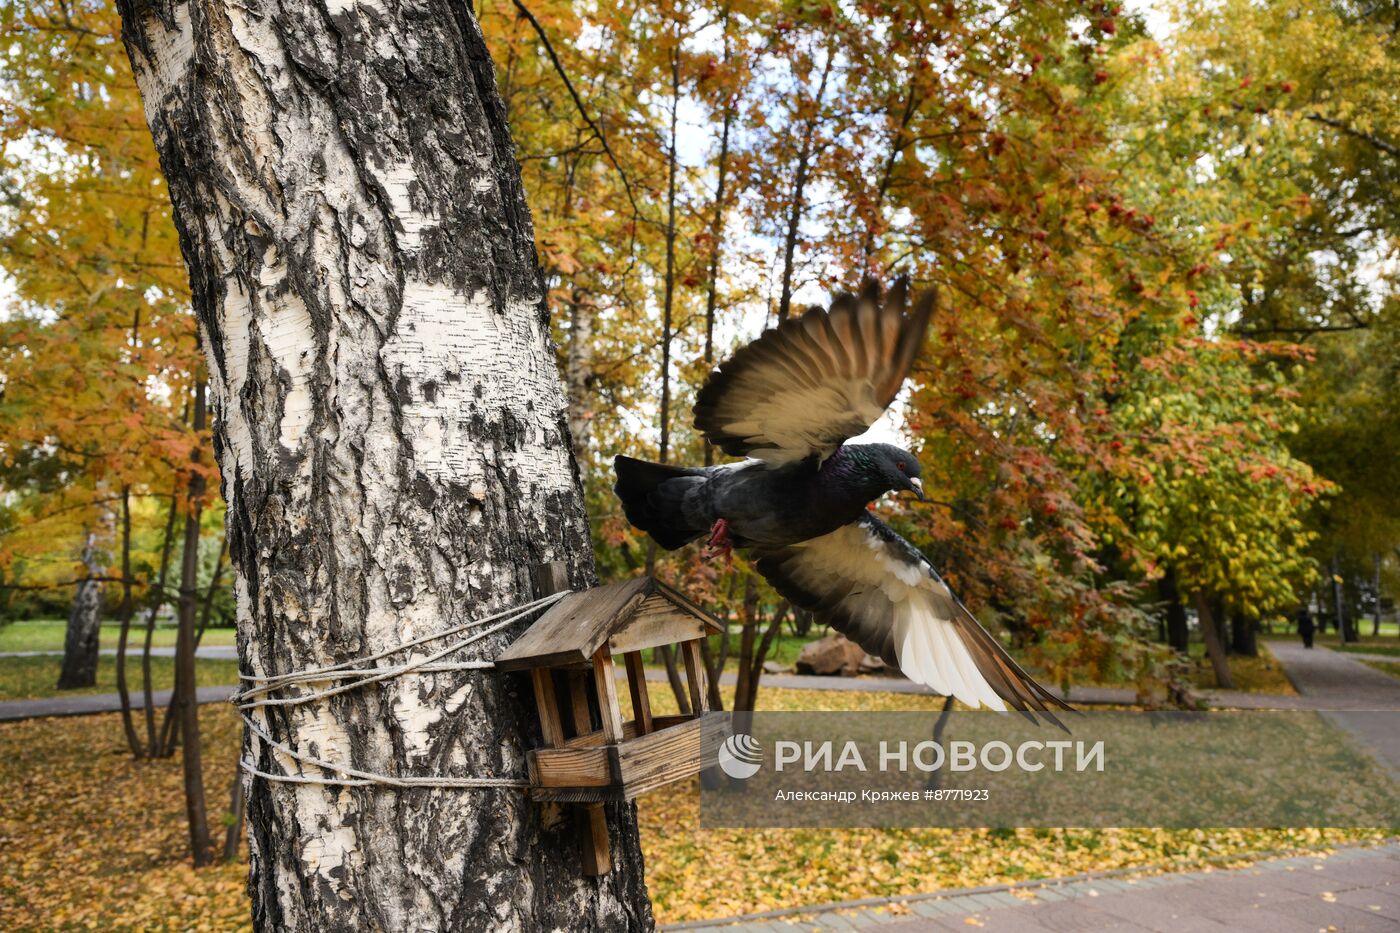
{"points": [[657, 499]]}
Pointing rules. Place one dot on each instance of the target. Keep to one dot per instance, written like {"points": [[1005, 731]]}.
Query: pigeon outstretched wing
{"points": [[809, 384], [876, 588]]}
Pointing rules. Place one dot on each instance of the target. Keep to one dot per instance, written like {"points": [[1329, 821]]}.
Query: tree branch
{"points": [[578, 102], [1388, 148]]}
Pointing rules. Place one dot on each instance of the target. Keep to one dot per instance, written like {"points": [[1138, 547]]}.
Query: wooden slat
{"points": [[680, 747], [695, 676], [605, 680], [576, 626], [637, 685], [578, 702], [550, 726], [681, 601], [593, 840], [670, 754], [657, 621], [571, 767]]}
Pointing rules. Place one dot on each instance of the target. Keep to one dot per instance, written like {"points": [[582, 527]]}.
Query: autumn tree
{"points": [[98, 351]]}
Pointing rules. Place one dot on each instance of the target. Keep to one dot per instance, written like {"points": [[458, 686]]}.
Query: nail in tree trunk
{"points": [[1215, 642], [392, 440], [80, 643]]}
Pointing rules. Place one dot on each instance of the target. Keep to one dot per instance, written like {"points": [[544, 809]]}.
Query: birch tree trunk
{"points": [[80, 640], [392, 436], [578, 371]]}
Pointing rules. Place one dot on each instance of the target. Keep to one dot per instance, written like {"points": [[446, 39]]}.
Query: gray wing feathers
{"points": [[814, 381]]}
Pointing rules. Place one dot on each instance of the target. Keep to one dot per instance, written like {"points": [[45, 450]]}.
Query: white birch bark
{"points": [[392, 436], [578, 372], [82, 636]]}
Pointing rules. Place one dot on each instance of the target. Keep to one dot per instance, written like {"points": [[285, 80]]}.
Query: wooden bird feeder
{"points": [[590, 754]]}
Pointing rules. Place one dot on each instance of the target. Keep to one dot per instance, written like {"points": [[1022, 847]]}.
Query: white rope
{"points": [[366, 676], [359, 676], [356, 777]]}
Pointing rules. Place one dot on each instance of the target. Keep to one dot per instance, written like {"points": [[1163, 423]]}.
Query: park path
{"points": [[1352, 890], [90, 703], [1325, 680], [211, 652], [1331, 680], [1335, 680]]}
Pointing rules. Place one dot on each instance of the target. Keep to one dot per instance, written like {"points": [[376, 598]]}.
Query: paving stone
{"points": [[1382, 903], [1322, 914]]}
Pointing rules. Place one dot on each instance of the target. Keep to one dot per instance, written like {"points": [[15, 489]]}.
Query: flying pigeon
{"points": [[798, 505]]}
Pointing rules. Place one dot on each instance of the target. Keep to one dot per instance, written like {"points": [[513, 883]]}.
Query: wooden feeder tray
{"points": [[590, 755]]}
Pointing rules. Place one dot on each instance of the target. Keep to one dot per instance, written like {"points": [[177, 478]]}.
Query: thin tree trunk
{"points": [[169, 730], [1346, 626], [156, 597], [747, 636], [578, 372], [186, 700], [1243, 635], [1178, 635], [1215, 644], [668, 299], [1376, 609], [717, 239], [124, 614], [940, 725], [799, 193], [765, 644], [80, 643], [392, 439], [233, 832]]}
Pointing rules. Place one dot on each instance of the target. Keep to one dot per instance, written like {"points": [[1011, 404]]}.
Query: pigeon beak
{"points": [[917, 485]]}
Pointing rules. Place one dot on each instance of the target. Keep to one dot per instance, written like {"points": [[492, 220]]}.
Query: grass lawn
{"points": [[1261, 674], [1373, 647], [1385, 667], [95, 840], [30, 678], [47, 635]]}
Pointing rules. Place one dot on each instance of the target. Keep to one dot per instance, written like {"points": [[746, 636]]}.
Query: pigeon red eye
{"points": [[900, 467]]}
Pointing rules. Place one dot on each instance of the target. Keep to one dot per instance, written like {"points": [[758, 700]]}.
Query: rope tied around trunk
{"points": [[360, 672]]}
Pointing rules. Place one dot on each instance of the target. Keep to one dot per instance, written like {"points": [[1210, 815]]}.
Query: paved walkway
{"points": [[90, 703], [212, 652], [1336, 678], [1353, 890], [1332, 680]]}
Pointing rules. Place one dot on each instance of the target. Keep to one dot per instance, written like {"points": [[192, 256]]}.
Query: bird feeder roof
{"points": [[629, 615]]}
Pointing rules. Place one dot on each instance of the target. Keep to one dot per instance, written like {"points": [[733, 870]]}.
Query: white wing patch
{"points": [[930, 647]]}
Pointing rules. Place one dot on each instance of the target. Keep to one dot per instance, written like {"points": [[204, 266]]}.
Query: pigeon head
{"points": [[889, 469]]}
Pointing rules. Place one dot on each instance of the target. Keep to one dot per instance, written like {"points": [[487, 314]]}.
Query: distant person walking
{"points": [[1305, 626]]}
